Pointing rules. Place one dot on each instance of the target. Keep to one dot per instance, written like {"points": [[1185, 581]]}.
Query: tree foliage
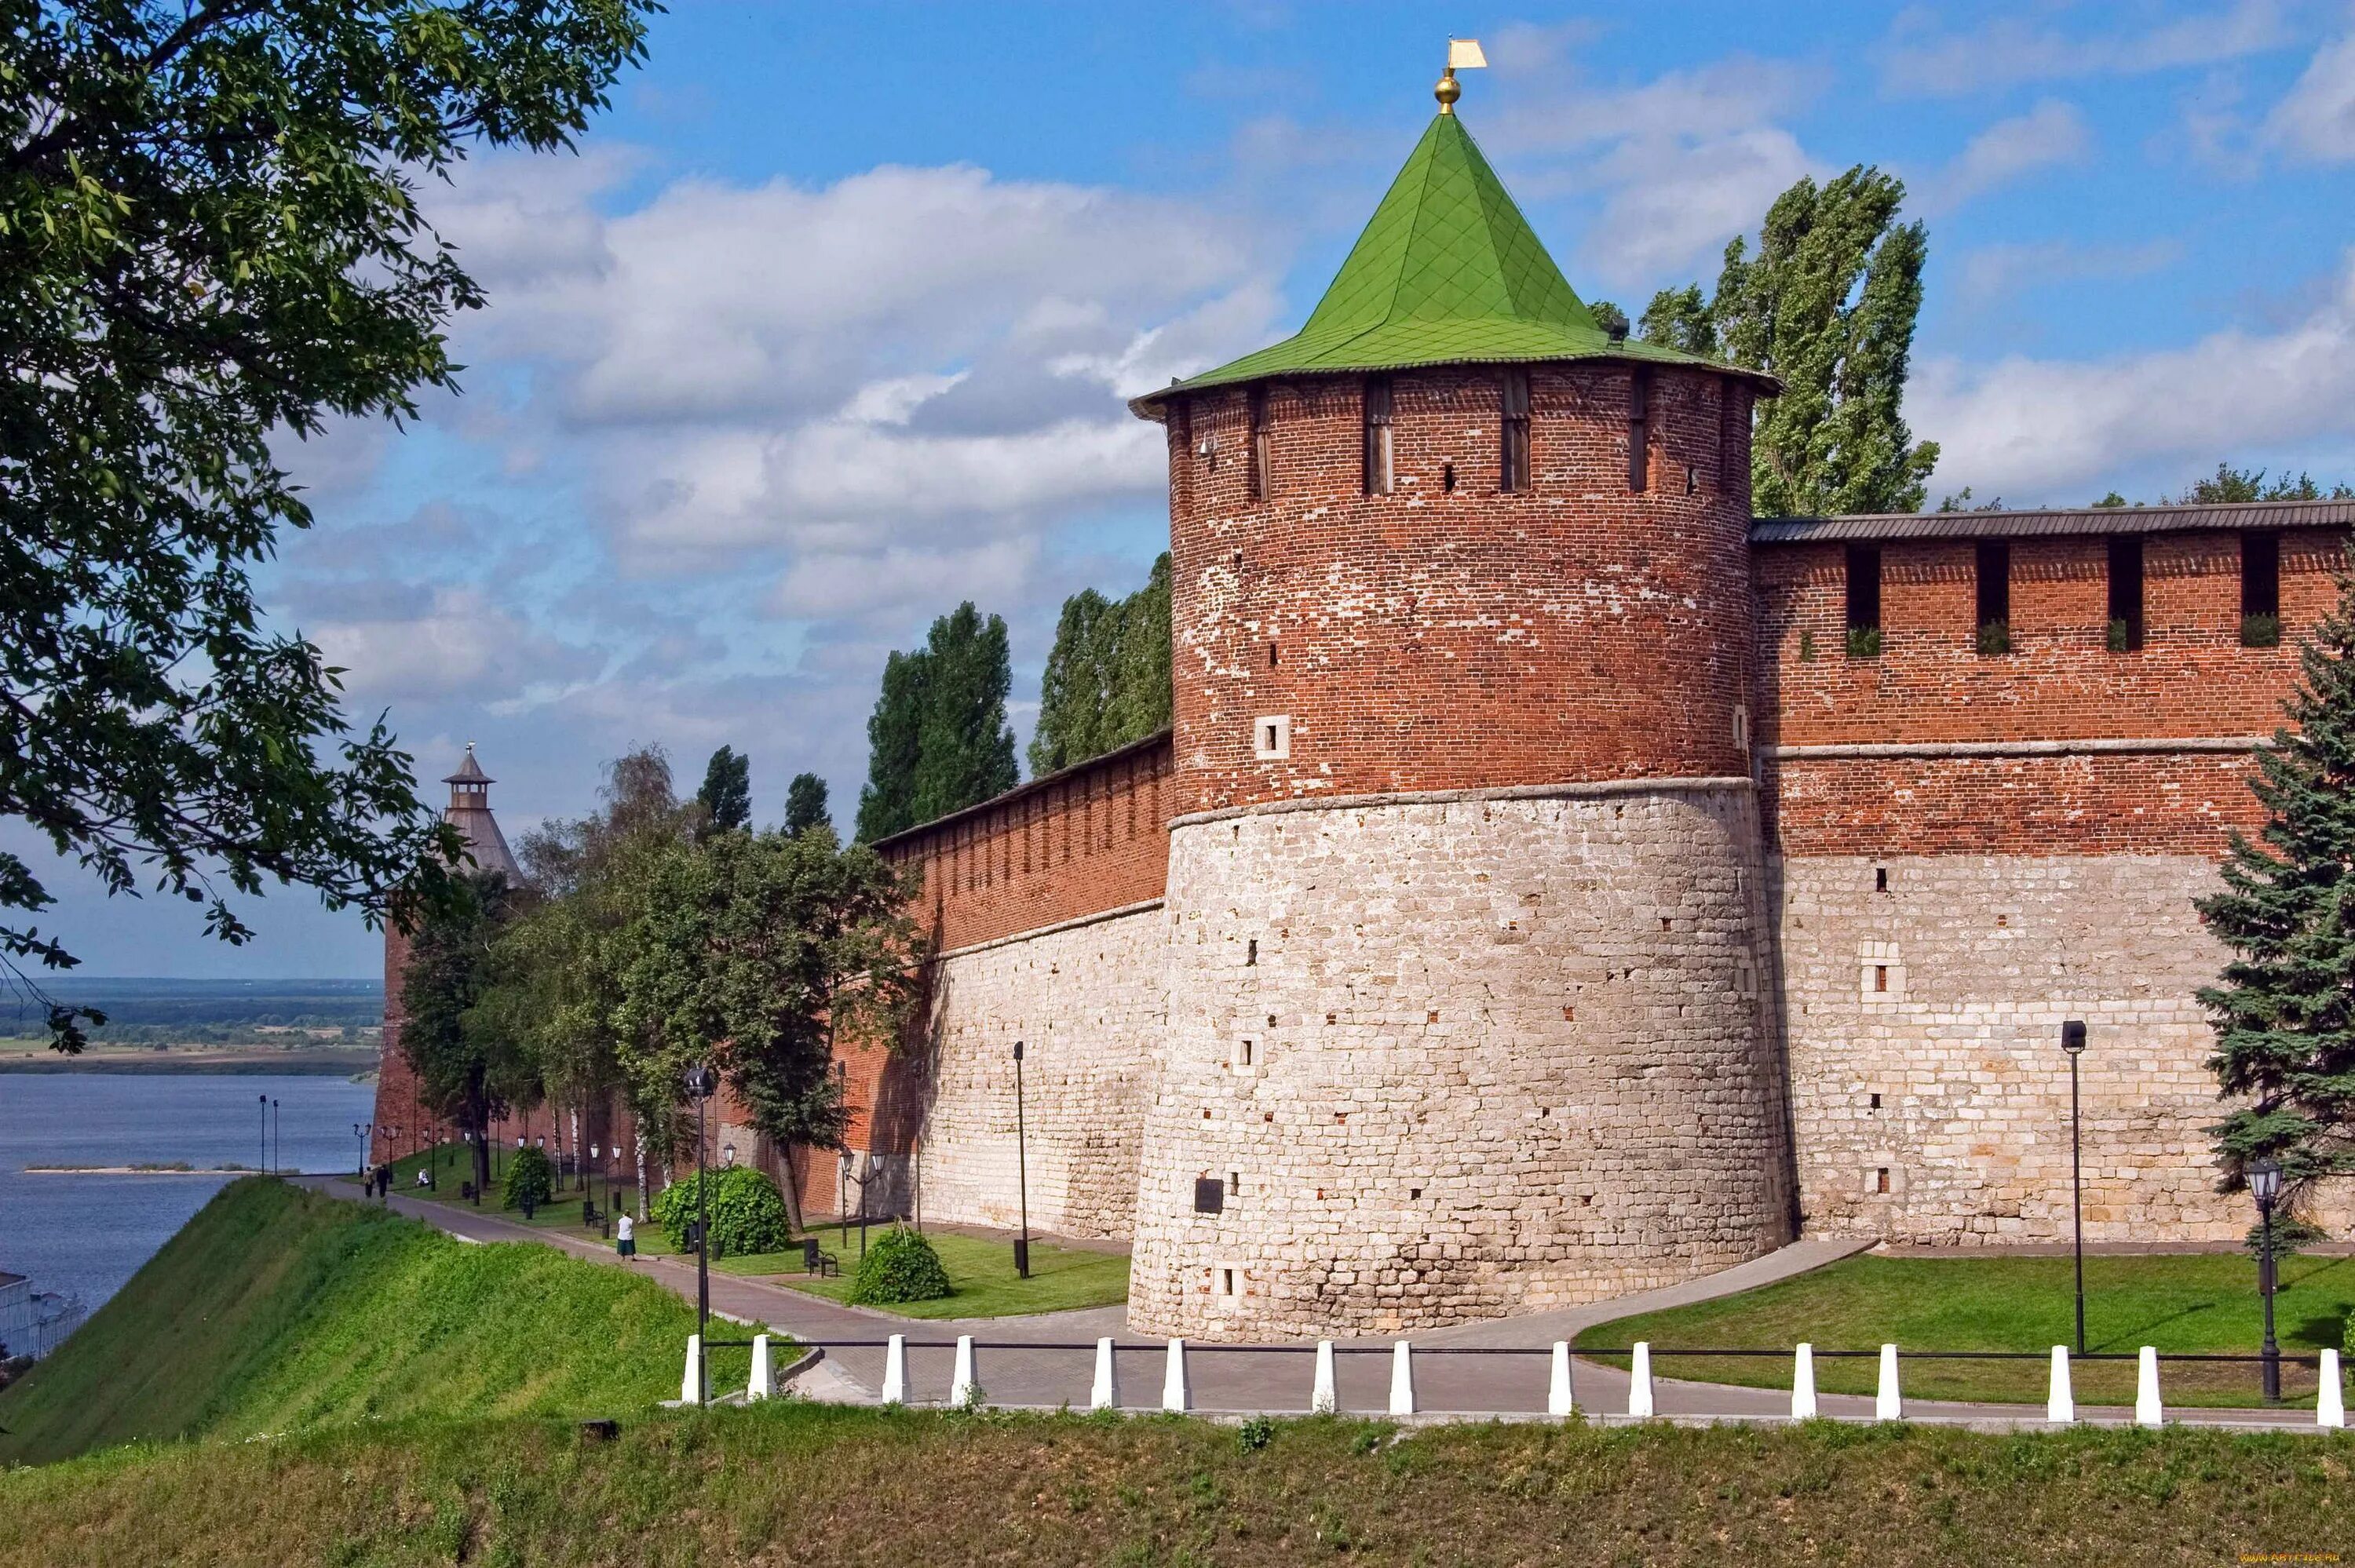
{"points": [[209, 241], [938, 738], [748, 952], [727, 792], [746, 1210], [1828, 303], [1108, 677], [805, 805], [2285, 1011], [469, 1068]]}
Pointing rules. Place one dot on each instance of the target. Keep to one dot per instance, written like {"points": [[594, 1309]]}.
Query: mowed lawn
{"points": [[2204, 1303], [981, 1275]]}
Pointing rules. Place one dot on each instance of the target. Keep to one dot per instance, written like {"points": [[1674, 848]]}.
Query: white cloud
{"points": [[2031, 427], [1991, 271], [1681, 162], [2007, 51], [459, 642], [2317, 119], [2051, 134]]}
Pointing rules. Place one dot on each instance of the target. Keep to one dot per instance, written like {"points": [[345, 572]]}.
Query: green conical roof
{"points": [[1447, 272]]}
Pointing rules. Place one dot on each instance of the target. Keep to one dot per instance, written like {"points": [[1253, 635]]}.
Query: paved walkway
{"points": [[1493, 1369]]}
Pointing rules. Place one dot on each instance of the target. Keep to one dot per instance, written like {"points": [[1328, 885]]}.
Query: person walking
{"points": [[625, 1236]]}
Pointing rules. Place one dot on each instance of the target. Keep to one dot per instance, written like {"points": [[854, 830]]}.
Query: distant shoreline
{"points": [[320, 1064]]}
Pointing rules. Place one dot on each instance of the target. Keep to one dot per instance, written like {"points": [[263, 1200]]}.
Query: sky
{"points": [[827, 325]]}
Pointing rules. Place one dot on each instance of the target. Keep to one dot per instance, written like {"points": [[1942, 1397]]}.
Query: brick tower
{"points": [[1465, 900], [397, 1105]]}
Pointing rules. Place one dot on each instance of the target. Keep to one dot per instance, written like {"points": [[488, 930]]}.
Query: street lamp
{"points": [[265, 1108], [275, 1145], [360, 1130], [702, 1083], [2265, 1185], [1021, 1174], [2072, 1041]]}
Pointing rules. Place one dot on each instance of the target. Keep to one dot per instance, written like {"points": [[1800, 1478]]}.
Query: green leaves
{"points": [[938, 738], [2285, 1011], [1107, 680], [1828, 303], [208, 242]]}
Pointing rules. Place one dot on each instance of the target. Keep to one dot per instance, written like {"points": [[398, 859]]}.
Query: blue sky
{"points": [[827, 325]]}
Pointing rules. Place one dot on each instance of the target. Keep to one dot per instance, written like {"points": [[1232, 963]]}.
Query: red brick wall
{"points": [[2191, 677], [1090, 838], [1432, 639]]}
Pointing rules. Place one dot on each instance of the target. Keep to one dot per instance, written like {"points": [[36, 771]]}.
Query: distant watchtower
{"points": [[1465, 887], [397, 1105]]}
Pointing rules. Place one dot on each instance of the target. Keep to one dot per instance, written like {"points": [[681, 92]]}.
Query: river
{"points": [[85, 1234]]}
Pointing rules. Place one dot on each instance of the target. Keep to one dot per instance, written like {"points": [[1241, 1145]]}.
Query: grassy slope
{"points": [[2205, 1302], [802, 1484], [981, 1279], [276, 1307]]}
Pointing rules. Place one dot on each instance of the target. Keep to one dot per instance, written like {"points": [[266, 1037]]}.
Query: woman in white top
{"points": [[625, 1236]]}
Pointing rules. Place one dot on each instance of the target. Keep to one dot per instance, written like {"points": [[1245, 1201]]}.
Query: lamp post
{"points": [[264, 1155], [2072, 1041], [2265, 1185], [275, 1145], [702, 1082], [1021, 1173], [360, 1130]]}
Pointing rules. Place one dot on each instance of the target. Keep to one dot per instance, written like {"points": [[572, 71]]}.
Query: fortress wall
{"points": [[1506, 1052], [1088, 1000], [2061, 681]]}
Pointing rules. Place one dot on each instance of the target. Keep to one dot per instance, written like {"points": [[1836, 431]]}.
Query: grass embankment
{"points": [[815, 1485], [982, 1280], [2204, 1303], [277, 1308]]}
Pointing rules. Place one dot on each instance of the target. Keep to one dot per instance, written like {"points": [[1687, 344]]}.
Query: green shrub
{"points": [[531, 1179], [1255, 1434], [1864, 642], [748, 1212], [899, 1266], [2261, 632]]}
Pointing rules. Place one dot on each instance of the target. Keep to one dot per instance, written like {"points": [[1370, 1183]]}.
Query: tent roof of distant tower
{"points": [[1447, 272]]}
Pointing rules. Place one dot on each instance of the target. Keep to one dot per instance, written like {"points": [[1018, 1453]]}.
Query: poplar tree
{"points": [[938, 740], [1828, 304], [2284, 1013], [468, 1070], [1107, 678], [805, 806], [727, 792]]}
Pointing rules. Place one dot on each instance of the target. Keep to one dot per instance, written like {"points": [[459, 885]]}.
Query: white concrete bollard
{"points": [[2061, 1405], [1402, 1379], [2148, 1411], [1105, 1393], [964, 1388], [2330, 1399], [1888, 1403], [690, 1387], [1639, 1381], [1323, 1399], [760, 1385], [1174, 1397], [895, 1370], [1803, 1384], [1558, 1391]]}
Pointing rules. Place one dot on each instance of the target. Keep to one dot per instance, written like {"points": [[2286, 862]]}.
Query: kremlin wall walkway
{"points": [[1496, 1369]]}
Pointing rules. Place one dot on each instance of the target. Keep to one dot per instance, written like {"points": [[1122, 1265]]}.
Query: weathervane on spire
{"points": [[1462, 54]]}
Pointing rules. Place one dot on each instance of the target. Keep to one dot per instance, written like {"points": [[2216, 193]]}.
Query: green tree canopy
{"points": [[209, 241], [727, 792], [2285, 1011], [468, 1069], [805, 806], [938, 740], [1828, 303], [1107, 679], [748, 950]]}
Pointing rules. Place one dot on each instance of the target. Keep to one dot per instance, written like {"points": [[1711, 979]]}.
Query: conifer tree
{"points": [[805, 806], [1828, 304], [887, 805], [1107, 679], [727, 792], [2284, 1013]]}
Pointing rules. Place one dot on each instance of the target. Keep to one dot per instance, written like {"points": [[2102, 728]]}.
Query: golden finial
{"points": [[1462, 54]]}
